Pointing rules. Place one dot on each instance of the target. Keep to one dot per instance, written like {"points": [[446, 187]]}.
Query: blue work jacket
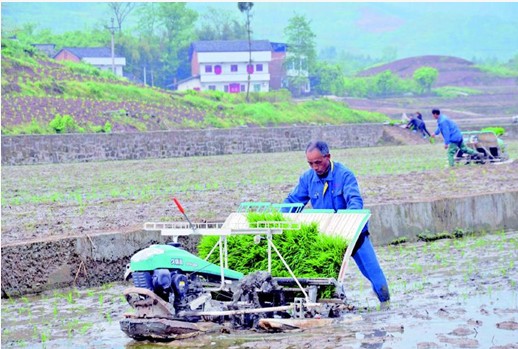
{"points": [[341, 192], [449, 130]]}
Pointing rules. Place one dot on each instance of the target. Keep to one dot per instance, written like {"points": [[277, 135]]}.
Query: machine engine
{"points": [[172, 286]]}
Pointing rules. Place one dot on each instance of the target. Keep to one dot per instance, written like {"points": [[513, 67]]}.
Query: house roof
{"points": [[279, 47], [48, 49], [84, 52], [230, 46], [176, 84]]}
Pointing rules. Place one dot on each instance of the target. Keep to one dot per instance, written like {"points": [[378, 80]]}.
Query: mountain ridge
{"points": [[466, 30]]}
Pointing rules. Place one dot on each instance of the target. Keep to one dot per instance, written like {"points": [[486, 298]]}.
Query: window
{"points": [[233, 68], [257, 87], [250, 68], [259, 67], [217, 69], [208, 69], [303, 64], [212, 87], [225, 88], [243, 88]]}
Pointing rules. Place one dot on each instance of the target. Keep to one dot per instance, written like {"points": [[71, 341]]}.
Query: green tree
{"points": [[120, 11], [386, 83], [328, 79], [220, 25], [246, 7], [301, 53], [425, 77], [169, 29]]}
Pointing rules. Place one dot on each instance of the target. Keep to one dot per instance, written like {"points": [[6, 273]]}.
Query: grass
{"points": [[60, 87]]}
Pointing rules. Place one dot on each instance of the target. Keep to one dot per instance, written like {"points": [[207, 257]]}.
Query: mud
{"points": [[55, 201], [460, 293]]}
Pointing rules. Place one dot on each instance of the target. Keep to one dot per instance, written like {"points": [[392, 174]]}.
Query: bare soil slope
{"points": [[453, 71], [495, 103]]}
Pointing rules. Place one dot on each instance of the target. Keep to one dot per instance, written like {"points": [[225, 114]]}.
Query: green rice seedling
{"points": [[108, 317], [419, 286], [418, 268], [44, 336], [107, 286], [85, 327], [306, 251], [24, 310], [70, 297], [55, 310]]}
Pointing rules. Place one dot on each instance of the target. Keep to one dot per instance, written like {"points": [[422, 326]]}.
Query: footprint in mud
{"points": [[459, 342], [427, 345], [461, 332], [508, 325]]}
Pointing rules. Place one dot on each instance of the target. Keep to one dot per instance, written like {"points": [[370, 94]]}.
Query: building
{"points": [[100, 57], [224, 66], [48, 49], [277, 70]]}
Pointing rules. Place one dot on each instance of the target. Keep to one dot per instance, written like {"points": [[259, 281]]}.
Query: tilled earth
{"points": [[445, 294], [51, 201]]}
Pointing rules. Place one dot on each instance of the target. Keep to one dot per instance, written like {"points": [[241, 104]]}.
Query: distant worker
{"points": [[331, 185], [452, 136], [423, 129], [417, 124]]}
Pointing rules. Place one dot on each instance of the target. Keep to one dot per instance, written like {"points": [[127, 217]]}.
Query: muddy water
{"points": [[459, 293]]}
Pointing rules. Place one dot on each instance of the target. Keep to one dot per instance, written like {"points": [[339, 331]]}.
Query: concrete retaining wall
{"points": [[38, 149], [94, 260], [487, 212]]}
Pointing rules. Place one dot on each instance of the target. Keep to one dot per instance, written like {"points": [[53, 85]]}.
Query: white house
{"points": [[224, 66], [100, 57]]}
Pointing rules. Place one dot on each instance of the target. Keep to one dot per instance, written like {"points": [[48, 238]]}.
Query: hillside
{"points": [[453, 71], [40, 95], [477, 98], [38, 91]]}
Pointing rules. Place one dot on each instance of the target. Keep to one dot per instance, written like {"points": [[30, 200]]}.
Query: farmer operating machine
{"points": [[486, 143], [176, 294]]}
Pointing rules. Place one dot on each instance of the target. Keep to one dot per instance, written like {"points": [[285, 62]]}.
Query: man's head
{"points": [[318, 157], [436, 113]]}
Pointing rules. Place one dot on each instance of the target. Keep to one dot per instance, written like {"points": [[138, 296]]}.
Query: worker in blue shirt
{"points": [[452, 136], [331, 185]]}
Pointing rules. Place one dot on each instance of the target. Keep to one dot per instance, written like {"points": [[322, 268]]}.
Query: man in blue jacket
{"points": [[331, 185], [452, 136]]}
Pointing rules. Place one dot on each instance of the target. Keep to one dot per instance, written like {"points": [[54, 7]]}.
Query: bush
{"points": [[64, 124]]}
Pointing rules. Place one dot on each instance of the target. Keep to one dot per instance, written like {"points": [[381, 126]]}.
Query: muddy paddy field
{"points": [[459, 293], [450, 293]]}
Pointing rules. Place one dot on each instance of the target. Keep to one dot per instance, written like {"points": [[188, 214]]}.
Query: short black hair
{"points": [[436, 112], [320, 145]]}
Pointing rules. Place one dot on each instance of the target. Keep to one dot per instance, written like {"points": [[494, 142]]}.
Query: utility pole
{"points": [[112, 30]]}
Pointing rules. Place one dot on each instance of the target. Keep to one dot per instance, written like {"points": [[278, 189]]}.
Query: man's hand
{"points": [[433, 135], [446, 146]]}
